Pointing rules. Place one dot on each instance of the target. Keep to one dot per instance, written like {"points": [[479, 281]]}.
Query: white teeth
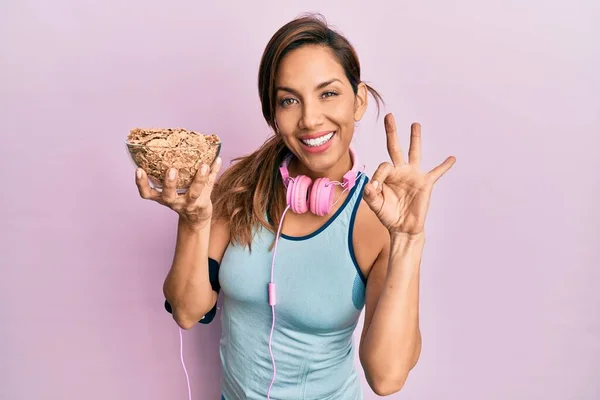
{"points": [[318, 141]]}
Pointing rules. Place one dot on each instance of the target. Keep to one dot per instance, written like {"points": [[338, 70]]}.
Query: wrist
{"points": [[406, 250], [408, 239], [194, 226]]}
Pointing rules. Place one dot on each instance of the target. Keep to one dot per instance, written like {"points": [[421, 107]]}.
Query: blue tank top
{"points": [[320, 295]]}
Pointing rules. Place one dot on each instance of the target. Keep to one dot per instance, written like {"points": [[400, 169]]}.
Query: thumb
{"points": [[373, 196]]}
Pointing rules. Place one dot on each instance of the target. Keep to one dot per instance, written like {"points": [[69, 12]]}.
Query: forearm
{"points": [[393, 342], [187, 286]]}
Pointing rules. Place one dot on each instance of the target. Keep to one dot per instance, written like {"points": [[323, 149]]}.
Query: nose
{"points": [[312, 116]]}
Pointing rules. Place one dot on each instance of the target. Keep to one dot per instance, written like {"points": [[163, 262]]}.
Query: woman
{"points": [[331, 256]]}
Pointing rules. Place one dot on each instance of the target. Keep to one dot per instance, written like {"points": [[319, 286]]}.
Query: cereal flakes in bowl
{"points": [[156, 150]]}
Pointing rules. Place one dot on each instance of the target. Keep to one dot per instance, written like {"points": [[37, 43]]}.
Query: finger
{"points": [[373, 198], [414, 151], [374, 187], [204, 179], [393, 146], [198, 184], [141, 181], [437, 172], [381, 174], [214, 171], [373, 194], [169, 192]]}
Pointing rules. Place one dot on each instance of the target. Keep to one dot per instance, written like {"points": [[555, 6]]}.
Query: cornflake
{"points": [[156, 150]]}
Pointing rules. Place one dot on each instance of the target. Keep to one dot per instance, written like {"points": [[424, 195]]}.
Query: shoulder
{"points": [[370, 238]]}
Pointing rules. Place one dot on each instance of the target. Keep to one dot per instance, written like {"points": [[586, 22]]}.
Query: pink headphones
{"points": [[303, 194]]}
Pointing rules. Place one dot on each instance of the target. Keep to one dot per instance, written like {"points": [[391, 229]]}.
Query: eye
{"points": [[329, 94], [286, 102]]}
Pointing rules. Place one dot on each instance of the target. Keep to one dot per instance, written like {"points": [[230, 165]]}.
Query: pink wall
{"points": [[512, 262]]}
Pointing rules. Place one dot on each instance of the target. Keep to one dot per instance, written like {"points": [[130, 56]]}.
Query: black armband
{"points": [[213, 276]]}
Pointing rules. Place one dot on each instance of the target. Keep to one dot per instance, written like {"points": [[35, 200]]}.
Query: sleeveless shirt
{"points": [[320, 295]]}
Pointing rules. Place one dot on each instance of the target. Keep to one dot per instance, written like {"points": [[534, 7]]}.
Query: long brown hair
{"points": [[251, 192]]}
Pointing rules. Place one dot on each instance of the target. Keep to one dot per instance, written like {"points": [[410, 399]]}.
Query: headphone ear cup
{"points": [[321, 197], [297, 194]]}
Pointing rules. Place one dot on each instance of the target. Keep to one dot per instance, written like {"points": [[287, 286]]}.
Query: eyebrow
{"points": [[319, 86]]}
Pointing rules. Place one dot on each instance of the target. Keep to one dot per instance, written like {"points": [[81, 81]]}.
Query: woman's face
{"points": [[316, 108]]}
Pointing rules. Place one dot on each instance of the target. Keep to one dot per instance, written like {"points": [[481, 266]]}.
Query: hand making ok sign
{"points": [[399, 192]]}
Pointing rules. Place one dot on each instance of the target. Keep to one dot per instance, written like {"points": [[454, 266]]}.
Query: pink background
{"points": [[511, 267]]}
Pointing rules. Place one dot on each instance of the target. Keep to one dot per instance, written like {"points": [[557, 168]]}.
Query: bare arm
{"points": [[391, 338], [187, 287], [399, 196]]}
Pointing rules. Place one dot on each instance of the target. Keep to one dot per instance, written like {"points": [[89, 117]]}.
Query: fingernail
{"points": [[171, 174], [375, 183], [204, 169], [219, 160], [367, 192], [138, 173]]}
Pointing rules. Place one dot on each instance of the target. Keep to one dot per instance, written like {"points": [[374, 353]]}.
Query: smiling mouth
{"points": [[320, 141]]}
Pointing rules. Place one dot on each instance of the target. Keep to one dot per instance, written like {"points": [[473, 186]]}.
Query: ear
{"points": [[360, 101]]}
